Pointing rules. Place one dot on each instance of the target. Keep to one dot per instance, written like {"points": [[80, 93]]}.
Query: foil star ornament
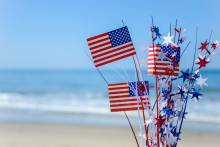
{"points": [[186, 75], [168, 39], [201, 81], [204, 46], [156, 31], [213, 45], [195, 94], [202, 61]]}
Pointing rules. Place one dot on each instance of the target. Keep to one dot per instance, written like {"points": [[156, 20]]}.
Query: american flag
{"points": [[111, 46], [129, 96], [163, 60]]}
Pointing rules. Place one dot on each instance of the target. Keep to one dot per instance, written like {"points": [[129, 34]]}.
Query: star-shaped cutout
{"points": [[168, 39], [156, 30], [201, 81], [186, 75], [181, 40], [217, 42], [202, 61], [181, 91], [195, 94], [213, 45], [204, 46]]}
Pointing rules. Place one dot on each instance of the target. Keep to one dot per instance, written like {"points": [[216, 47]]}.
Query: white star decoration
{"points": [[201, 81], [168, 39], [217, 42]]}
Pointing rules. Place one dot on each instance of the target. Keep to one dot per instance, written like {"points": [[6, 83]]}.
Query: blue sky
{"points": [[52, 33]]}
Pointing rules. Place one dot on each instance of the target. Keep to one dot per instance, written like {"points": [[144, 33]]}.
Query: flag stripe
{"points": [[127, 109], [113, 51], [96, 37], [115, 59], [126, 104], [105, 38], [110, 50], [126, 100]]}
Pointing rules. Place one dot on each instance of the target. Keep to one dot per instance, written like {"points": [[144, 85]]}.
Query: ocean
{"points": [[80, 96]]}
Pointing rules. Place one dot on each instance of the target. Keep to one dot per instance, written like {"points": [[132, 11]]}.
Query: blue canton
{"points": [[119, 36], [169, 51], [138, 88]]}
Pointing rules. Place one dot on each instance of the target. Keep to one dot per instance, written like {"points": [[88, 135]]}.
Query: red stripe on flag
{"points": [[95, 42], [117, 84], [121, 57], [121, 96], [126, 104], [113, 50], [122, 92], [97, 46], [127, 100], [118, 88], [127, 109], [97, 36]]}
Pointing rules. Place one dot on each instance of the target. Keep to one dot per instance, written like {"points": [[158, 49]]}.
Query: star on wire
{"points": [[204, 46], [168, 40], [195, 94], [201, 81], [202, 61], [156, 30]]}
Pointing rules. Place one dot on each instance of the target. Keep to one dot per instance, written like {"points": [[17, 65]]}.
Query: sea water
{"points": [[80, 96]]}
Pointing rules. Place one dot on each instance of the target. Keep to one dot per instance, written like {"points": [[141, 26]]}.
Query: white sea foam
{"points": [[93, 103]]}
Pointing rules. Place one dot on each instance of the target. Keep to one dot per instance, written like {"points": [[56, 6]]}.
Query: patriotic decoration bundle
{"points": [[161, 116]]}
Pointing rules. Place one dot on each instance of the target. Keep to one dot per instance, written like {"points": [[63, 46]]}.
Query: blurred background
{"points": [[46, 76]]}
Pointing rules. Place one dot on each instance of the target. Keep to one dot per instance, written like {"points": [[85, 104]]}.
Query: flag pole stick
{"points": [[142, 106], [131, 127], [175, 32], [157, 96], [139, 113]]}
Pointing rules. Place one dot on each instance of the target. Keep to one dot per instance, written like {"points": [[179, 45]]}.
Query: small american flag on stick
{"points": [[163, 60], [128, 96], [111, 46]]}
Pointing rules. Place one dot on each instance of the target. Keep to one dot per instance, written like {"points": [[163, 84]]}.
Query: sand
{"points": [[69, 135]]}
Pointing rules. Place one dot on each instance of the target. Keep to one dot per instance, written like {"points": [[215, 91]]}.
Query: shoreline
{"points": [[75, 135]]}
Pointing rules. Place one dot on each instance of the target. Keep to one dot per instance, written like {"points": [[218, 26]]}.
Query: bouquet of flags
{"points": [[160, 117]]}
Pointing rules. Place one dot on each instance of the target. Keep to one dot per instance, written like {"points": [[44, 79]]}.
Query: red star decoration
{"points": [[214, 45], [202, 62], [204, 46]]}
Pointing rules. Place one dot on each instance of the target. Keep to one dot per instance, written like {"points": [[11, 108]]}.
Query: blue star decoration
{"points": [[175, 133], [180, 41], [156, 31], [186, 75], [195, 94], [168, 111], [181, 91]]}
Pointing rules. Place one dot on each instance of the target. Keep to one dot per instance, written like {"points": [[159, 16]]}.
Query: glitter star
{"points": [[168, 40], [213, 45], [195, 94], [201, 81], [202, 61], [204, 46]]}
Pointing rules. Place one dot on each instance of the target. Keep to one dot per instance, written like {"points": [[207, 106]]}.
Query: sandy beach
{"points": [[69, 135]]}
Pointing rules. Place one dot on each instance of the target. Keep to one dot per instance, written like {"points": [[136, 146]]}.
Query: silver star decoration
{"points": [[201, 81], [168, 39]]}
